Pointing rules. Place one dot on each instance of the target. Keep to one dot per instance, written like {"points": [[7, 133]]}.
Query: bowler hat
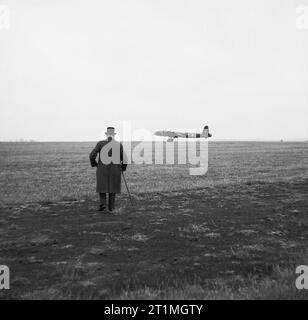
{"points": [[110, 130]]}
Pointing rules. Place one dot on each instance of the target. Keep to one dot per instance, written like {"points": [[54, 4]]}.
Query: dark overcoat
{"points": [[109, 165]]}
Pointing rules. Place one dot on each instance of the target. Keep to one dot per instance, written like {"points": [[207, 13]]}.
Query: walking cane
{"points": [[130, 197]]}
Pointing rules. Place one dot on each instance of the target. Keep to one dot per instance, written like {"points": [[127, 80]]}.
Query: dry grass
{"points": [[33, 172], [43, 174], [280, 285]]}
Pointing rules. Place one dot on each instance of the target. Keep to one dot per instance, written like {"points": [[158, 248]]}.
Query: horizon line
{"points": [[182, 140]]}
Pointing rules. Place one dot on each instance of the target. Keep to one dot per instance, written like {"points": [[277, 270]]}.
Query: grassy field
{"points": [[236, 233], [33, 172]]}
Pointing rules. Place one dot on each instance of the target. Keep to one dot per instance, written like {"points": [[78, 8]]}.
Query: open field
{"points": [[237, 232]]}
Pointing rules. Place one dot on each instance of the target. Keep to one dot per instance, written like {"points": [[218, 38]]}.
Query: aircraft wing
{"points": [[176, 134], [165, 133]]}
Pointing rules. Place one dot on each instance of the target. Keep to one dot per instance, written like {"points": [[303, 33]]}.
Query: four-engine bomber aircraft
{"points": [[177, 134]]}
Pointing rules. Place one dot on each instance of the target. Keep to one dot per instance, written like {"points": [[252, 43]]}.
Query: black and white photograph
{"points": [[154, 150]]}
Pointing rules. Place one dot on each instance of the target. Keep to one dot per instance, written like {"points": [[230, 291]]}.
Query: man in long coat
{"points": [[108, 168]]}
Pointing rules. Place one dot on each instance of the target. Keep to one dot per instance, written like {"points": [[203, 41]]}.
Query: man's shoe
{"points": [[102, 208]]}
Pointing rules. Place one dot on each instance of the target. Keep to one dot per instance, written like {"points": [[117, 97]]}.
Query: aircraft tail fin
{"points": [[205, 132]]}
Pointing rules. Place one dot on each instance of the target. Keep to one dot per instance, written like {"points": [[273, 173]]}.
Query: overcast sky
{"points": [[70, 68]]}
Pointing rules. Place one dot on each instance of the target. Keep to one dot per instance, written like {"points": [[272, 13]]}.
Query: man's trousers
{"points": [[111, 200]]}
